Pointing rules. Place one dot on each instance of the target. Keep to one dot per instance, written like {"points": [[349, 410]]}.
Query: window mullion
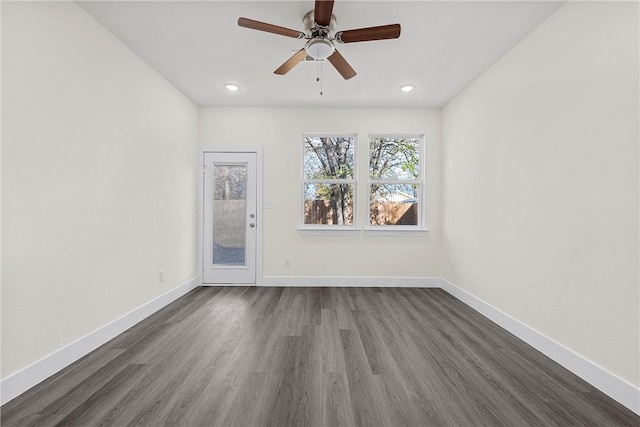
{"points": [[396, 181], [329, 181]]}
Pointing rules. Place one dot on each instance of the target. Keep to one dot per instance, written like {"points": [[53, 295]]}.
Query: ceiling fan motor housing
{"points": [[313, 29]]}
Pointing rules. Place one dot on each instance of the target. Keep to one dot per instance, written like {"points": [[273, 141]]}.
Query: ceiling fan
{"points": [[319, 25]]}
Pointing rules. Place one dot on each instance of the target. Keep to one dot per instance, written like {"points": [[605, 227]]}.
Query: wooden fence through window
{"points": [[382, 213]]}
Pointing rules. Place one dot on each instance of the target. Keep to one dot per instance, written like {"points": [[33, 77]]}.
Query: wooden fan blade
{"points": [[322, 12], [269, 28], [341, 64], [382, 32], [291, 62]]}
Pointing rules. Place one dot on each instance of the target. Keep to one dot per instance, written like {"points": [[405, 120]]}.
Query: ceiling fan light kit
{"points": [[319, 48], [319, 25]]}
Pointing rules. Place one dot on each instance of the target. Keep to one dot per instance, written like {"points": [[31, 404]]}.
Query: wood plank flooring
{"points": [[247, 356]]}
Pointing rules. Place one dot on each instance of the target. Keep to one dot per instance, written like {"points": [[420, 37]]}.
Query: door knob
{"points": [[252, 225]]}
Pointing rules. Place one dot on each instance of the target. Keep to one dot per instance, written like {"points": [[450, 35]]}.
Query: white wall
{"points": [[99, 180], [279, 131], [540, 184]]}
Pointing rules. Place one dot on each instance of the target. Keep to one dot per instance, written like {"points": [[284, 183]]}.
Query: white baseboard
{"points": [[353, 281], [22, 380], [612, 385]]}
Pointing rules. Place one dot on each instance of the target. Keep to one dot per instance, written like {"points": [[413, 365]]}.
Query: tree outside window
{"points": [[395, 184], [329, 184]]}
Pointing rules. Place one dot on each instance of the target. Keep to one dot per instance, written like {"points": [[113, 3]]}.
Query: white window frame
{"points": [[422, 219], [327, 229]]}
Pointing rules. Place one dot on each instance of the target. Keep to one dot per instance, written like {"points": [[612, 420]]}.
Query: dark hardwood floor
{"points": [[246, 356]]}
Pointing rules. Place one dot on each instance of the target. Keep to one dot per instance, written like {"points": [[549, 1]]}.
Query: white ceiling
{"points": [[198, 46]]}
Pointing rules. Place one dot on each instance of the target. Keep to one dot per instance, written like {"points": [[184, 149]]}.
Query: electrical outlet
{"points": [[161, 276], [287, 262]]}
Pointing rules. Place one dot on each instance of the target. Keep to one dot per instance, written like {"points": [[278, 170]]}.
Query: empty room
{"points": [[323, 213]]}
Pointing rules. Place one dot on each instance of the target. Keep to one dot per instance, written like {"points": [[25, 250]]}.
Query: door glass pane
{"points": [[229, 214]]}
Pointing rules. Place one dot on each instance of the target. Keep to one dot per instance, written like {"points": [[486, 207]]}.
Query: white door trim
{"points": [[259, 206]]}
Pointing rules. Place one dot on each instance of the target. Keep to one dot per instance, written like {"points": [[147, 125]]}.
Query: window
{"points": [[328, 180], [394, 192], [395, 181]]}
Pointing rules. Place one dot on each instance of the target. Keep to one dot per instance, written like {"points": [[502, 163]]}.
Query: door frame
{"points": [[259, 208]]}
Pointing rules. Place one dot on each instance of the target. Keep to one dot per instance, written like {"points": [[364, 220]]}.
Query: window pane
{"points": [[394, 158], [330, 204], [394, 204], [328, 157], [229, 214]]}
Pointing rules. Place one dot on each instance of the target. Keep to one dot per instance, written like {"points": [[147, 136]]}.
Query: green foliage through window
{"points": [[394, 158]]}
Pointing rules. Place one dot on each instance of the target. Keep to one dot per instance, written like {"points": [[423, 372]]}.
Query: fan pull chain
{"points": [[319, 79], [319, 75]]}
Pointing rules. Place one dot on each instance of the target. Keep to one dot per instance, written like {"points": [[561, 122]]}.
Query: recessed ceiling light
{"points": [[407, 88], [231, 87]]}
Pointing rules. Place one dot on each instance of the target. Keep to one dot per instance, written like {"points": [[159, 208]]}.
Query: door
{"points": [[230, 225]]}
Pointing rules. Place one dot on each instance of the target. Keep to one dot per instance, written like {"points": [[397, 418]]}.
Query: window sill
{"points": [[329, 231], [354, 231], [394, 230]]}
